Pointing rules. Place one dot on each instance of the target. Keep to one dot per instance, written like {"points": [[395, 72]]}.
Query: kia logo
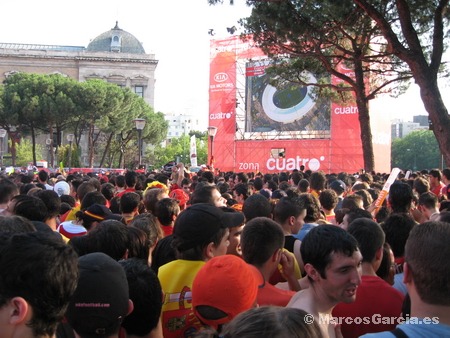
{"points": [[220, 77]]}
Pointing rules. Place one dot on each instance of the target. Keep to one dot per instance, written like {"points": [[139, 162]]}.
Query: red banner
{"points": [[346, 147]]}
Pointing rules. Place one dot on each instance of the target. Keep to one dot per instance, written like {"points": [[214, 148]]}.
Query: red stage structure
{"points": [[258, 131]]}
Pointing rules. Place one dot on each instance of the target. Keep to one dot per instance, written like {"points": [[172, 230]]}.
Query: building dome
{"points": [[116, 40]]}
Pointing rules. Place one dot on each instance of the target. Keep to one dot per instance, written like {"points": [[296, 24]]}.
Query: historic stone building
{"points": [[115, 56]]}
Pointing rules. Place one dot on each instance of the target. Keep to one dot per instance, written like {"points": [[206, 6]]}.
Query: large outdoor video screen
{"points": [[290, 107]]}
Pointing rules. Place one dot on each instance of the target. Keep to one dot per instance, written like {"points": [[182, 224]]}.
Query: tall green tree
{"points": [[118, 123], [8, 121], [58, 108], [121, 132], [38, 103], [416, 151], [108, 114], [98, 101], [418, 35], [22, 100]]}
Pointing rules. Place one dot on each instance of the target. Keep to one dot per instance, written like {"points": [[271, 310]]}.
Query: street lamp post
{"points": [[70, 138], [2, 136], [48, 143], [140, 124], [212, 131]]}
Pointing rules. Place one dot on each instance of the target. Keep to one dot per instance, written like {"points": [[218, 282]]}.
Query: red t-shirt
{"points": [[167, 229], [271, 295], [375, 299], [438, 189], [125, 191]]}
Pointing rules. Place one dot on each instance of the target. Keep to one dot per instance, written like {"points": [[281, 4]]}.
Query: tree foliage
{"points": [[418, 36], [416, 151], [25, 151], [22, 94], [63, 156], [179, 149], [101, 111], [198, 134], [57, 108]]}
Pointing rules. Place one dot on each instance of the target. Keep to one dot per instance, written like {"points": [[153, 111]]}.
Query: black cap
{"points": [[100, 213], [338, 186], [101, 300], [200, 222]]}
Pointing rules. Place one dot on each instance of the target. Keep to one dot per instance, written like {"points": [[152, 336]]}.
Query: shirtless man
{"points": [[333, 266]]}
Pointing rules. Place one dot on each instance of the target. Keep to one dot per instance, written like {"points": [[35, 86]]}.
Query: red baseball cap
{"points": [[180, 195], [226, 283]]}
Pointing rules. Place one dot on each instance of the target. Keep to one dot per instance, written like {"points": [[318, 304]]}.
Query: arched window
{"points": [[116, 43]]}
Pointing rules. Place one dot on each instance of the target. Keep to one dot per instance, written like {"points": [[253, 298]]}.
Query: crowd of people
{"points": [[288, 254]]}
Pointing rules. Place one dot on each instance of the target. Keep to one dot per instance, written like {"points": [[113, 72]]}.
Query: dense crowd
{"points": [[207, 254]]}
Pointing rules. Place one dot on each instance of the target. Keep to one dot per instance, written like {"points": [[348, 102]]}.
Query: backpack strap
{"points": [[398, 333]]}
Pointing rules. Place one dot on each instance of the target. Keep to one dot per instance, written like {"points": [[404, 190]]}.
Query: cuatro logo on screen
{"points": [[220, 116], [294, 163]]}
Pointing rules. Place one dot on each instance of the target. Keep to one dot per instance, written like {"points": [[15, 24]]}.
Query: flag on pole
{"points": [[193, 151]]}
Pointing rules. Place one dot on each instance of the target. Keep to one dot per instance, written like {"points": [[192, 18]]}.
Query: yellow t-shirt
{"points": [[178, 318], [71, 215]]}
